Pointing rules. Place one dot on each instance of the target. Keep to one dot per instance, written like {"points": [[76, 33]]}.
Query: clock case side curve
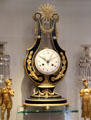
{"points": [[61, 74], [29, 60]]}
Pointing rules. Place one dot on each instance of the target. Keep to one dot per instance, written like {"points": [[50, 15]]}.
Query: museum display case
{"points": [[85, 62], [4, 64]]}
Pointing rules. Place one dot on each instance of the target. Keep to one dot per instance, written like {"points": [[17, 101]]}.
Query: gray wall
{"points": [[17, 28]]}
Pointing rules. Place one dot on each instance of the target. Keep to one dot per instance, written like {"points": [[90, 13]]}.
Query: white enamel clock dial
{"points": [[47, 61]]}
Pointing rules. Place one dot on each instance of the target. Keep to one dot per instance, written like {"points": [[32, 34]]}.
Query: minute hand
{"points": [[52, 58]]}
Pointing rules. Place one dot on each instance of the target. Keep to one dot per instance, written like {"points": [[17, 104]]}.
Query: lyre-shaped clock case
{"points": [[43, 94]]}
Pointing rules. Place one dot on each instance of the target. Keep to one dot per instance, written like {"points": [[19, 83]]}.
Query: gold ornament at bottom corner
{"points": [[85, 93], [5, 99]]}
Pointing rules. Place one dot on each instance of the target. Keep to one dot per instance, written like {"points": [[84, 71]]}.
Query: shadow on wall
{"points": [[26, 88], [27, 84]]}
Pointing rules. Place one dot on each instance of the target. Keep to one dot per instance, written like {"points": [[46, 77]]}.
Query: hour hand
{"points": [[43, 58], [51, 58]]}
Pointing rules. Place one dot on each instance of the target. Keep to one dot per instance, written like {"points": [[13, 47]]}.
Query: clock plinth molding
{"points": [[45, 97], [46, 76]]}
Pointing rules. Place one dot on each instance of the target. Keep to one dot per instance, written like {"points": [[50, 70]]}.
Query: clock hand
{"points": [[43, 58], [47, 61], [52, 58]]}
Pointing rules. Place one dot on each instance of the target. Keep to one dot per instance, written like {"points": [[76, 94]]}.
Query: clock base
{"points": [[45, 97], [47, 102]]}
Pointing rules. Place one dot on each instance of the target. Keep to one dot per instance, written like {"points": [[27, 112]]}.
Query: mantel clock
{"points": [[46, 66]]}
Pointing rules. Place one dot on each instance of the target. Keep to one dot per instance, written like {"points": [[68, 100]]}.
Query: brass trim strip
{"points": [[64, 104], [46, 100]]}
